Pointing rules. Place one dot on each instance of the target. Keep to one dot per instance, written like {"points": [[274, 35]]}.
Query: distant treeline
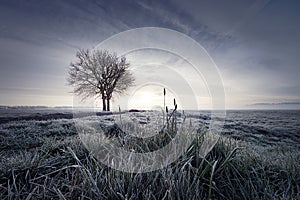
{"points": [[30, 107]]}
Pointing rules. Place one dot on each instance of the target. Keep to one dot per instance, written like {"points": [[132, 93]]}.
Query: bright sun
{"points": [[150, 97]]}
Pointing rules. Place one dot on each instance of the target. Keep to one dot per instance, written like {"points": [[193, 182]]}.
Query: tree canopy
{"points": [[99, 73]]}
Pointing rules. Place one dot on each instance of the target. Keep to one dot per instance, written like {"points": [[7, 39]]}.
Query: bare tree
{"points": [[99, 73]]}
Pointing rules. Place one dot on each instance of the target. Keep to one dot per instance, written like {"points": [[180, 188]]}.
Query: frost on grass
{"points": [[233, 169]]}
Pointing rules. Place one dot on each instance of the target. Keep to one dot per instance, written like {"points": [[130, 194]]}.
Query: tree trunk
{"points": [[108, 106], [103, 104]]}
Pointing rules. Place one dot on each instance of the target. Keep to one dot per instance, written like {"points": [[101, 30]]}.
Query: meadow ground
{"points": [[43, 157]]}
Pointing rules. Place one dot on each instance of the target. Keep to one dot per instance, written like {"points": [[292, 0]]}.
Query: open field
{"points": [[42, 156]]}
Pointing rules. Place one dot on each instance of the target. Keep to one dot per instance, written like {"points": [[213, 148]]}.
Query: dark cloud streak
{"points": [[254, 43]]}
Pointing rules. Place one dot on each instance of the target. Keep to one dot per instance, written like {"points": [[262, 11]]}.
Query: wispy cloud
{"points": [[254, 43]]}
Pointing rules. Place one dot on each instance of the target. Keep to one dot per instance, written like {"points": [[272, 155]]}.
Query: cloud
{"points": [[254, 44]]}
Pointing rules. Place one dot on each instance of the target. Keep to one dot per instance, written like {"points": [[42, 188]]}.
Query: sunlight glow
{"points": [[151, 97]]}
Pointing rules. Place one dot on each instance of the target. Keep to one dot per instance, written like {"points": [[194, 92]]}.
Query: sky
{"points": [[254, 44]]}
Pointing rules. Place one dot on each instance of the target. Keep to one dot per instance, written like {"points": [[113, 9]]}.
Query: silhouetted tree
{"points": [[99, 73]]}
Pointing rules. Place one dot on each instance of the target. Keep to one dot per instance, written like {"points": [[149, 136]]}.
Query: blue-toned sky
{"points": [[255, 44]]}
